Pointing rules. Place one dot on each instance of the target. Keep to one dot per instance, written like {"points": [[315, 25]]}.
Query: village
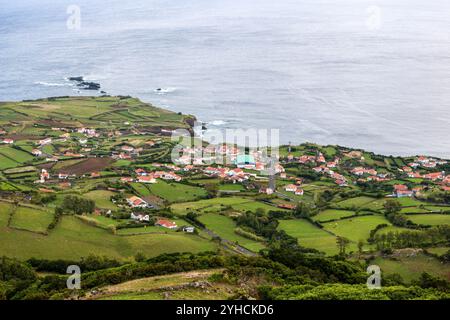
{"points": [[109, 173]]}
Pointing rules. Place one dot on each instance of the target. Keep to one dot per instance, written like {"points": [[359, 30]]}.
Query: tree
{"points": [[78, 205], [360, 246], [322, 198], [392, 206], [342, 244]]}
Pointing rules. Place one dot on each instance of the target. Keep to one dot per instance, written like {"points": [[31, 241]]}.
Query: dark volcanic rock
{"points": [[76, 79], [86, 85]]}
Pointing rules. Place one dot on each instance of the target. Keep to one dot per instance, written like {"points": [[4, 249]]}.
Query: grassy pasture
{"points": [[15, 154], [176, 192], [355, 229], [5, 210], [31, 219], [309, 235], [355, 202], [332, 214], [231, 187], [430, 219], [73, 239], [224, 227], [102, 199], [406, 201], [6, 163], [151, 229], [218, 204], [411, 267]]}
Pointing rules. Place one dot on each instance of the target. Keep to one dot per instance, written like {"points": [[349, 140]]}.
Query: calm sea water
{"points": [[325, 71]]}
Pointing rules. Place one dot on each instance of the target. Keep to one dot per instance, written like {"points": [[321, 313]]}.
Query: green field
{"points": [[438, 250], [6, 163], [355, 229], [5, 210], [176, 192], [102, 221], [224, 227], [355, 202], [231, 187], [219, 204], [73, 239], [102, 199], [16, 155], [31, 219], [332, 214], [406, 201], [430, 219], [309, 235], [411, 267]]}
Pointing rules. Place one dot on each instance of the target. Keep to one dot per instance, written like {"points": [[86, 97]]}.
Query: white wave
{"points": [[217, 123], [53, 84], [165, 90]]}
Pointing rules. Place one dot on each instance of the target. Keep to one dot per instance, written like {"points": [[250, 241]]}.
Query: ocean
{"points": [[358, 73]]}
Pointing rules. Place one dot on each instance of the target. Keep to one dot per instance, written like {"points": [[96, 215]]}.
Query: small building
{"points": [[36, 152], [63, 176], [404, 193], [188, 229], [146, 179], [136, 202], [45, 141], [8, 141], [245, 161], [290, 188], [140, 217], [166, 224], [266, 190]]}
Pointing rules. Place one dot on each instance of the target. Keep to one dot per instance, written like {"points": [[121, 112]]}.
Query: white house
{"points": [[140, 217], [137, 202], [188, 229], [45, 141], [290, 188], [8, 141]]}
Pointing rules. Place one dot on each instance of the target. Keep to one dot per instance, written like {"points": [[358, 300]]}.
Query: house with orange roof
{"points": [[137, 202], [166, 224], [290, 188], [8, 141], [434, 176], [146, 179]]}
